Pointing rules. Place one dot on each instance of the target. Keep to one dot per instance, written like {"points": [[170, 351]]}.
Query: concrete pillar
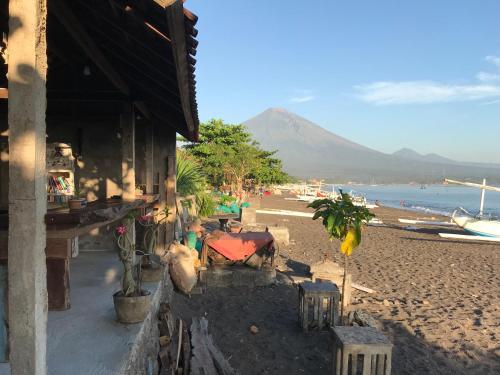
{"points": [[149, 156], [27, 196], [170, 182], [127, 121]]}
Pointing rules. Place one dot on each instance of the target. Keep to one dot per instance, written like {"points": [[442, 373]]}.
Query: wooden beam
{"points": [[176, 25], [71, 23], [140, 42]]}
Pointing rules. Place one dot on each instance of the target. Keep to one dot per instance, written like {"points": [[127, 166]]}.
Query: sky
{"points": [[386, 74]]}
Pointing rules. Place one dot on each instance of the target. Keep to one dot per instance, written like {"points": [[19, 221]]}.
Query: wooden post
{"points": [[149, 156], [128, 152], [171, 184], [27, 195], [160, 158]]}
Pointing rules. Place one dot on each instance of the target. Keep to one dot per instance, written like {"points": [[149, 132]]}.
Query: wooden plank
{"points": [[222, 365], [363, 288], [58, 248], [201, 360], [186, 350]]}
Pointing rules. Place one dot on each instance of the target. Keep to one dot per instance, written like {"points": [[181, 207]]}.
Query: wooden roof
{"points": [[102, 52]]}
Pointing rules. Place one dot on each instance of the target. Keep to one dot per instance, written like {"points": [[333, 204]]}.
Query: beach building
{"points": [[92, 96]]}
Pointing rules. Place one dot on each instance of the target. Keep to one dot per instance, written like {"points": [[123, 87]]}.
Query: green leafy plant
{"points": [[190, 179], [227, 200], [206, 204], [343, 220]]}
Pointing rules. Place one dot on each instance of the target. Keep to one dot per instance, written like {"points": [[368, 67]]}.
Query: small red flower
{"points": [[121, 229]]}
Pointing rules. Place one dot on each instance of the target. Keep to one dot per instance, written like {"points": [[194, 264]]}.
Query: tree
{"points": [[228, 154], [342, 220]]}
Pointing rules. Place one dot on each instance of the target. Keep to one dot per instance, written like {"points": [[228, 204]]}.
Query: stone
{"points": [[254, 329], [280, 234], [248, 216], [386, 302]]}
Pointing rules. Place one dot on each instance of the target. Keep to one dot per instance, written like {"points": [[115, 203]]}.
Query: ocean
{"points": [[434, 199]]}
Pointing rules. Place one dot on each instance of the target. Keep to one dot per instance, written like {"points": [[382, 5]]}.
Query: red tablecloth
{"points": [[239, 246]]}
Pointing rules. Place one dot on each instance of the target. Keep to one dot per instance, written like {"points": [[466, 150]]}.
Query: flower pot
{"points": [[77, 203], [132, 309], [152, 272]]}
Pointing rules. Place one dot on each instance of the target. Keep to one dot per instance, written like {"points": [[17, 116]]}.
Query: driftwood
{"points": [[363, 288], [173, 343], [206, 357]]}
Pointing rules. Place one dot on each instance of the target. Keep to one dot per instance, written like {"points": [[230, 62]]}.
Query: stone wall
{"points": [[146, 346]]}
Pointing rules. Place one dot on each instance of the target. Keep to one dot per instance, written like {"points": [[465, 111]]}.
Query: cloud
{"points": [[492, 102], [423, 92], [303, 99], [487, 77], [493, 59]]}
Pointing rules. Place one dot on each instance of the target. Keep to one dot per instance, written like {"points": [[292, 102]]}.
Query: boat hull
{"points": [[477, 226]]}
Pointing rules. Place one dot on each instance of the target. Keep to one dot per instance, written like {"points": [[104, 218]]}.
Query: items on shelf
{"points": [[60, 173]]}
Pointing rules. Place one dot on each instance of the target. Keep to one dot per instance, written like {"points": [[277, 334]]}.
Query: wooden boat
{"points": [[477, 225]]}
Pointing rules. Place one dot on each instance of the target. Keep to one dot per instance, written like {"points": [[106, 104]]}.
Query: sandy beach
{"points": [[437, 300]]}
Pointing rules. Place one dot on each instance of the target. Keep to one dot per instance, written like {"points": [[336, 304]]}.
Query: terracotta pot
{"points": [[76, 204], [132, 309]]}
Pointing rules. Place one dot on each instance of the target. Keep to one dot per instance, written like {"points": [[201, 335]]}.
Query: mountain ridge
{"points": [[308, 150]]}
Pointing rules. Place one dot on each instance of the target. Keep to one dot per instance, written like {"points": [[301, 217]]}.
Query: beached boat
{"points": [[477, 225]]}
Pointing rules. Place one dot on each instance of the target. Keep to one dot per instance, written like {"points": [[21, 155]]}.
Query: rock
{"points": [[254, 329], [425, 302], [361, 318], [386, 303]]}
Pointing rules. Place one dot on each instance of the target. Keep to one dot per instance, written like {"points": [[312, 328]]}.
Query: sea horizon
{"points": [[437, 199]]}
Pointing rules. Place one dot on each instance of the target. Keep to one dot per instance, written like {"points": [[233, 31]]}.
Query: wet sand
{"points": [[437, 300]]}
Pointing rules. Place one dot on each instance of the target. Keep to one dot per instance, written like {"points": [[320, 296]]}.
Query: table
{"points": [[240, 247], [63, 226]]}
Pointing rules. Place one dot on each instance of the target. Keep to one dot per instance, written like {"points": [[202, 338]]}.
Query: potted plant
{"points": [[151, 266], [75, 202], [342, 220], [131, 302]]}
